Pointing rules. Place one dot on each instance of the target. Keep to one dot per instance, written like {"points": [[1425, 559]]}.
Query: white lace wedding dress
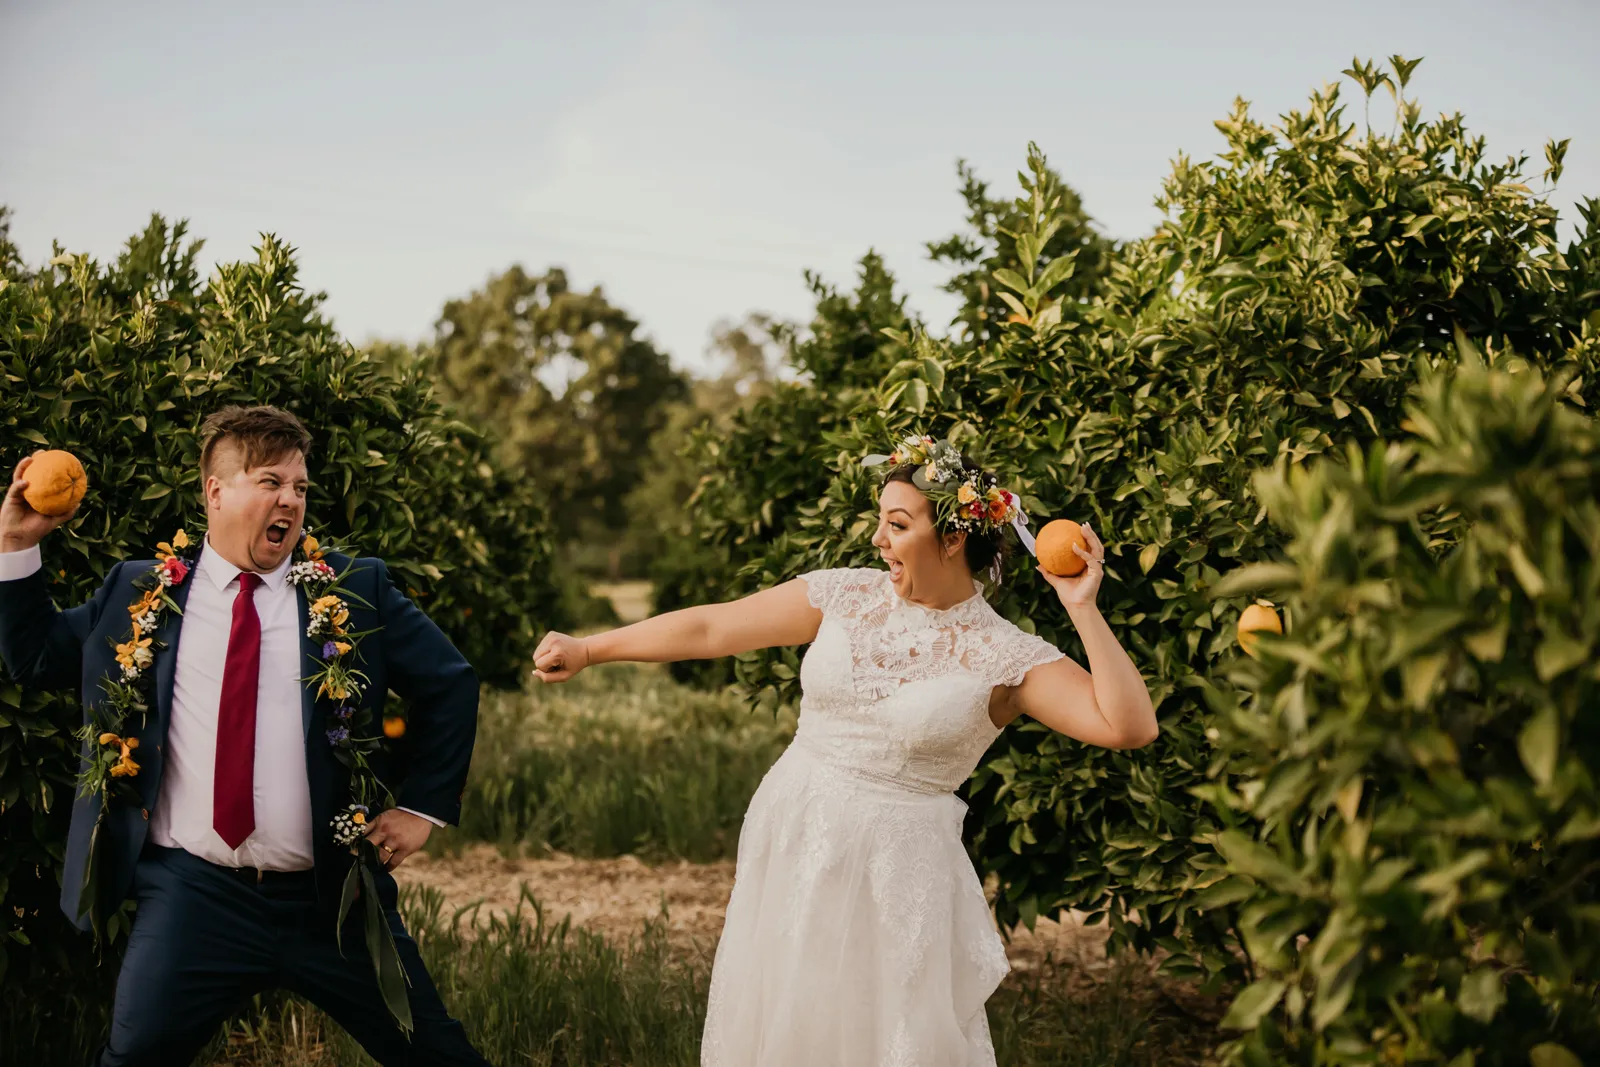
{"points": [[857, 934]]}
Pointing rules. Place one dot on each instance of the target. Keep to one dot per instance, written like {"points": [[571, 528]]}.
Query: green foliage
{"points": [[620, 761], [760, 470], [1298, 287], [990, 244], [661, 528], [119, 364], [572, 393], [1411, 776]]}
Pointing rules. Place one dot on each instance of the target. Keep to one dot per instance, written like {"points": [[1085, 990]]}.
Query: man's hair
{"points": [[263, 434]]}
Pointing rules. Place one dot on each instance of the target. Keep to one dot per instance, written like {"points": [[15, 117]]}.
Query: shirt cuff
{"points": [[418, 814], [18, 565]]}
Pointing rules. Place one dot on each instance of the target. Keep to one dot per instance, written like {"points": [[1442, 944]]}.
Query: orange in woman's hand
{"points": [[56, 483], [1055, 548]]}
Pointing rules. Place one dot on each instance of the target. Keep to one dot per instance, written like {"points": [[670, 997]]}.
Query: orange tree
{"points": [[1297, 287], [119, 363], [1410, 779]]}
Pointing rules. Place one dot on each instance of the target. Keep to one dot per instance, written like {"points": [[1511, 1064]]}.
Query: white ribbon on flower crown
{"points": [[1019, 523]]}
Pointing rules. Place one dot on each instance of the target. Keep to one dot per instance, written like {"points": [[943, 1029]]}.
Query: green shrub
{"points": [[1412, 778], [119, 363], [1297, 288]]}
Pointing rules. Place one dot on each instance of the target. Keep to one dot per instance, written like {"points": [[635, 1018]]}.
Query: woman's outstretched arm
{"points": [[782, 615]]}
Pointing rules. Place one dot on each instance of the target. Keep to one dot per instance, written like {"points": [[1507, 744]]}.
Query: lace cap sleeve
{"points": [[1021, 653], [840, 590]]}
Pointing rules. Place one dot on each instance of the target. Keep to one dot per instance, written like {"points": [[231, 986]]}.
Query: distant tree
{"points": [[10, 259], [747, 357], [573, 393]]}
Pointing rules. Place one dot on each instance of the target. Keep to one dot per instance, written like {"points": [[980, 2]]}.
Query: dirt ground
{"points": [[615, 897]]}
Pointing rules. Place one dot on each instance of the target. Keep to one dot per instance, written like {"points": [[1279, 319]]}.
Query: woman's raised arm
{"points": [[782, 615]]}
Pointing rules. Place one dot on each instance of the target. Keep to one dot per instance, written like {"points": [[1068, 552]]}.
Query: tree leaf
{"points": [[1482, 994], [1253, 1003], [1538, 742], [1550, 1054]]}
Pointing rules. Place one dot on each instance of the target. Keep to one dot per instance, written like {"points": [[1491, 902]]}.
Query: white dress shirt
{"points": [[282, 839]]}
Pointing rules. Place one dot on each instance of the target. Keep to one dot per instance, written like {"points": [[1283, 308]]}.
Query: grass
{"points": [[619, 761], [529, 991], [535, 993]]}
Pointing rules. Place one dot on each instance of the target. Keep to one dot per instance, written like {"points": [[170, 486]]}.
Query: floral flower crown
{"points": [[963, 498]]}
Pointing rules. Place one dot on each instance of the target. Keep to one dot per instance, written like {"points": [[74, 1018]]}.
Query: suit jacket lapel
{"points": [[310, 657], [169, 633], [170, 630]]}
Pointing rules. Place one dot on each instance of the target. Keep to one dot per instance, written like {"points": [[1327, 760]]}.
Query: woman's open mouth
{"points": [[896, 569], [278, 532]]}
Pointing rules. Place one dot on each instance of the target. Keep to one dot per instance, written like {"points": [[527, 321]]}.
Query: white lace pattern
{"points": [[858, 932]]}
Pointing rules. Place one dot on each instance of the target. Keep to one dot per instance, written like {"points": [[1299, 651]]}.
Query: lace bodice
{"points": [[897, 692]]}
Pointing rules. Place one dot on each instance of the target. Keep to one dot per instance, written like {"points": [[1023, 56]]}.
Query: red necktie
{"points": [[233, 808]]}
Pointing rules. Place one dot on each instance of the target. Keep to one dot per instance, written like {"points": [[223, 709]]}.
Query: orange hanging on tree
{"points": [[1258, 617]]}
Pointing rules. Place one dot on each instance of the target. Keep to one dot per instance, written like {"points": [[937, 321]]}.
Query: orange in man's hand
{"points": [[394, 726], [1055, 547], [56, 483]]}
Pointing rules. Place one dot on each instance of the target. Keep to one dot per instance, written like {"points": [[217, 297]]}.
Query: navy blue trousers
{"points": [[205, 941]]}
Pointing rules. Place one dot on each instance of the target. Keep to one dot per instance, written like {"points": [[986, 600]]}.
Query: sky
{"points": [[691, 159]]}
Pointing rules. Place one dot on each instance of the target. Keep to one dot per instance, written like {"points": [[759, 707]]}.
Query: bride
{"points": [[857, 934]]}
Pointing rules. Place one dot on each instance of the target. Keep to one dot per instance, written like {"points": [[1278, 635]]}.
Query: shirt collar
{"points": [[221, 572]]}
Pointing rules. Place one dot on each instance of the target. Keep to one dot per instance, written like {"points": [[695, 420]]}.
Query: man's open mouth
{"points": [[278, 531]]}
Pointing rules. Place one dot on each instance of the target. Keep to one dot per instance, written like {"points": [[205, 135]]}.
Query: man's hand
{"points": [[20, 526], [397, 834]]}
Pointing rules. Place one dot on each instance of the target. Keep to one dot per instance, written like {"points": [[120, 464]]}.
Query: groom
{"points": [[236, 874]]}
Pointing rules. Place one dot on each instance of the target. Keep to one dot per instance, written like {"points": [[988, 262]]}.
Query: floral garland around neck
{"points": [[111, 765], [353, 735]]}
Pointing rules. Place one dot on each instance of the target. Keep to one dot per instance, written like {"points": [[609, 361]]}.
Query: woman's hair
{"points": [[984, 551]]}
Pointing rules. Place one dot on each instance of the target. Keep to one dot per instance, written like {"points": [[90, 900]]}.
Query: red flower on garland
{"points": [[176, 570]]}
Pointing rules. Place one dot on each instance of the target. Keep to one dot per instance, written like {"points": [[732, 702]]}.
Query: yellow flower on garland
{"points": [[145, 604], [180, 540], [966, 494], [125, 766], [313, 548], [324, 604], [128, 651], [337, 692]]}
